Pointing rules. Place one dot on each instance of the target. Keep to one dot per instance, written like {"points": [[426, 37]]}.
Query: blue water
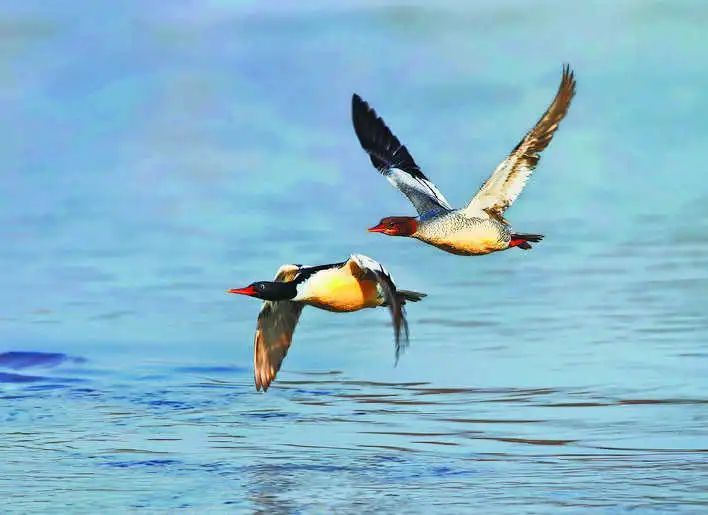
{"points": [[155, 155]]}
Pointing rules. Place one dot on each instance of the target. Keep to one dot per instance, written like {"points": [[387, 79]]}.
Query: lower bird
{"points": [[479, 227], [354, 284]]}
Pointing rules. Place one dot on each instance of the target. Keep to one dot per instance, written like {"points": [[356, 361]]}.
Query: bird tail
{"points": [[522, 240], [408, 295]]}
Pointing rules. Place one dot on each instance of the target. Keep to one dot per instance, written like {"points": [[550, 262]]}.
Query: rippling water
{"points": [[161, 155]]}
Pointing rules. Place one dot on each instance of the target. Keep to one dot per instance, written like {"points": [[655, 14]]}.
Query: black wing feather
{"points": [[383, 147]]}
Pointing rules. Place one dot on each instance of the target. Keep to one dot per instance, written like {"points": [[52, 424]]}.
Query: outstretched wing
{"points": [[274, 332], [363, 266], [509, 178], [393, 160]]}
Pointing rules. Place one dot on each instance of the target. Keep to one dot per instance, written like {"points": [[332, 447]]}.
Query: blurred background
{"points": [[157, 154]]}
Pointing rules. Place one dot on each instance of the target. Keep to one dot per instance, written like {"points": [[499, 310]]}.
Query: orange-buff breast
{"points": [[337, 290]]}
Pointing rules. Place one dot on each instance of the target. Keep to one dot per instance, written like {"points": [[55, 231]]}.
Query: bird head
{"points": [[268, 290], [396, 226]]}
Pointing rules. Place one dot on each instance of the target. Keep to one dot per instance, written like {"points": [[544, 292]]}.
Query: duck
{"points": [[357, 283], [480, 227]]}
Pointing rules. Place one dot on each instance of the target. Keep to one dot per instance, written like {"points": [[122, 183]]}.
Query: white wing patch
{"points": [[422, 193], [370, 264]]}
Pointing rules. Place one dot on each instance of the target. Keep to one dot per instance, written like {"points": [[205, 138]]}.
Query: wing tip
{"points": [[357, 100], [262, 380], [363, 113], [568, 81], [384, 148]]}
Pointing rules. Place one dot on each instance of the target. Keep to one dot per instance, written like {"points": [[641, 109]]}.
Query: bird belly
{"points": [[470, 237], [335, 290]]}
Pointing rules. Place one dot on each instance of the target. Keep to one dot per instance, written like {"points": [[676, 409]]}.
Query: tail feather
{"points": [[534, 238], [522, 240], [412, 296]]}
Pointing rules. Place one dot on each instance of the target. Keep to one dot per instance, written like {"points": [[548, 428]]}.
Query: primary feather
{"points": [[390, 157], [506, 182]]}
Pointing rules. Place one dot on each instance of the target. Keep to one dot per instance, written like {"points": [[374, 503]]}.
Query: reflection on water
{"points": [[183, 149]]}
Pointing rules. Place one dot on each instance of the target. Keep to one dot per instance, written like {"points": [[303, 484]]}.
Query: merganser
{"points": [[480, 227], [358, 283]]}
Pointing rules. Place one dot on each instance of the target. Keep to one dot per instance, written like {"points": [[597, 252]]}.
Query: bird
{"points": [[480, 227], [357, 283]]}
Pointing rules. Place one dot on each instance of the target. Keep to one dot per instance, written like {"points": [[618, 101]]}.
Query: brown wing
{"points": [[364, 266], [509, 178], [274, 332]]}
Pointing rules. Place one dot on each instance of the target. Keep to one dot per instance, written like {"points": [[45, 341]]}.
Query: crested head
{"points": [[396, 226], [268, 290]]}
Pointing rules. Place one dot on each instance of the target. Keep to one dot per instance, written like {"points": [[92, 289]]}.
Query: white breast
{"points": [[459, 234]]}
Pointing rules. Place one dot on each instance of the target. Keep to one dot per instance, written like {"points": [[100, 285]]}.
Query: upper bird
{"points": [[479, 227], [357, 283]]}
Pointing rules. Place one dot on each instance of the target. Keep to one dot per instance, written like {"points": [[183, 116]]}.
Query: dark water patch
{"points": [[311, 392], [313, 403], [400, 402], [516, 392], [134, 451], [662, 401], [305, 446], [53, 385], [391, 385], [385, 412], [386, 447], [267, 415], [649, 449], [85, 393], [38, 383], [574, 404], [527, 441], [671, 330], [353, 383], [112, 315], [323, 373], [160, 403], [6, 377], [142, 463], [620, 402], [456, 323], [18, 360], [434, 442], [224, 435], [406, 433], [445, 391], [448, 471], [490, 421], [365, 395]]}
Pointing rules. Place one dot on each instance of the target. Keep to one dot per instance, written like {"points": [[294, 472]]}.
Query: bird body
{"points": [[340, 289], [357, 283], [479, 227], [459, 233]]}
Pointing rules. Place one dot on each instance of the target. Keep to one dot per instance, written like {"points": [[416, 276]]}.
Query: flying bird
{"points": [[354, 284], [480, 227]]}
